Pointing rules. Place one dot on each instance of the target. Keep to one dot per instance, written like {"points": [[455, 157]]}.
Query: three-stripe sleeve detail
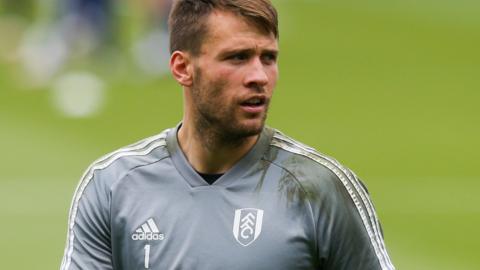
{"points": [[141, 148], [353, 187]]}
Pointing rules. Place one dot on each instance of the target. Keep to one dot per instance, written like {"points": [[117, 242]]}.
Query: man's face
{"points": [[234, 77]]}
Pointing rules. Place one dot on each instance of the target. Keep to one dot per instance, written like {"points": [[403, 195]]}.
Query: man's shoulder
{"points": [[115, 165], [306, 165]]}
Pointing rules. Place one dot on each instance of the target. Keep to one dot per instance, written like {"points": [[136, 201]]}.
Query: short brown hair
{"points": [[187, 21]]}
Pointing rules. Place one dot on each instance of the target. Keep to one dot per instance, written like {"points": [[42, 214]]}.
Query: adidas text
{"points": [[148, 236]]}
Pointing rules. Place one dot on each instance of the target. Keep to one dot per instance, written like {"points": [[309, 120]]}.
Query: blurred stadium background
{"points": [[390, 88]]}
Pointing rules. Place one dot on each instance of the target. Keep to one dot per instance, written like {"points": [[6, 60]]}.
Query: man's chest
{"points": [[211, 228]]}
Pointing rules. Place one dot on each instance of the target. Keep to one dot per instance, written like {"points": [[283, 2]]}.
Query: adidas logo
{"points": [[148, 231]]}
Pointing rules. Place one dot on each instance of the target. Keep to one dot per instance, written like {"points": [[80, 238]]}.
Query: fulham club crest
{"points": [[247, 225]]}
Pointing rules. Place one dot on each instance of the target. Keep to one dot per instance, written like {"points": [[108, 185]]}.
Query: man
{"points": [[221, 191]]}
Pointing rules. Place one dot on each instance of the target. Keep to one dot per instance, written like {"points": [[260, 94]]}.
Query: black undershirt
{"points": [[210, 178]]}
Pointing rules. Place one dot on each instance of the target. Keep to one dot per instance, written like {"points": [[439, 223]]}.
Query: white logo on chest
{"points": [[247, 225], [148, 231]]}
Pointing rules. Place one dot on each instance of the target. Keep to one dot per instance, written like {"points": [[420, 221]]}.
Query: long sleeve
{"points": [[348, 229], [88, 239]]}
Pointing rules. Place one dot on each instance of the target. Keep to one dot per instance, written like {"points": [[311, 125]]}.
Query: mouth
{"points": [[254, 104], [254, 101]]}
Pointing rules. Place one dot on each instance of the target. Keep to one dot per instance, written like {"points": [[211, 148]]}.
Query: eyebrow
{"points": [[248, 51]]}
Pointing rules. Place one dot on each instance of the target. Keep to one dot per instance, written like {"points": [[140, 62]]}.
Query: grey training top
{"points": [[283, 206]]}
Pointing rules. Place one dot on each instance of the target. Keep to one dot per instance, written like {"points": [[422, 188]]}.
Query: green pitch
{"points": [[390, 89]]}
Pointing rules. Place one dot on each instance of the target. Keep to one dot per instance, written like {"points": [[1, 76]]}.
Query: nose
{"points": [[257, 76]]}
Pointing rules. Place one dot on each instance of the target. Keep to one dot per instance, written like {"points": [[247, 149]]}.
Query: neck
{"points": [[211, 152]]}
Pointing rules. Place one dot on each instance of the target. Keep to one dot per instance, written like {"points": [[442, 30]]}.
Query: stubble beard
{"points": [[216, 122]]}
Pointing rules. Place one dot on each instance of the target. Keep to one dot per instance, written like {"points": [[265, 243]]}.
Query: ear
{"points": [[181, 68]]}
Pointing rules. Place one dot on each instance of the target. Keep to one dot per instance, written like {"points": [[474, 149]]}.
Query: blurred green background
{"points": [[389, 88]]}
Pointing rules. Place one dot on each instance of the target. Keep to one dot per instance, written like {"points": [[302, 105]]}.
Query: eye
{"points": [[269, 58], [238, 57]]}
